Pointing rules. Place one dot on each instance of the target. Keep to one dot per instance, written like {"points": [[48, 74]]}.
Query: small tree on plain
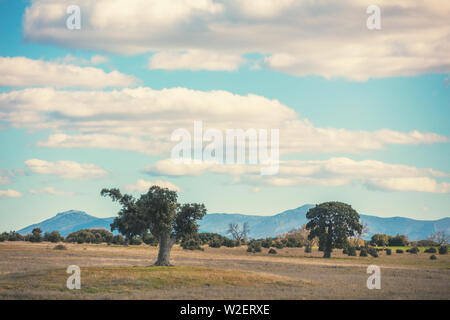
{"points": [[332, 223], [156, 211]]}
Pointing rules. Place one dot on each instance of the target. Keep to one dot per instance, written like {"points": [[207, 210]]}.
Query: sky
{"points": [[362, 113]]}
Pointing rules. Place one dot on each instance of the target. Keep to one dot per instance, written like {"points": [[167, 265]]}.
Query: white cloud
{"points": [[143, 119], [66, 169], [10, 194], [327, 38], [50, 191], [24, 72], [195, 60], [142, 185], [332, 172]]}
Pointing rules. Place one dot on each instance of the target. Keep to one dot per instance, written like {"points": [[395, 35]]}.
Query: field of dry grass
{"points": [[36, 271]]}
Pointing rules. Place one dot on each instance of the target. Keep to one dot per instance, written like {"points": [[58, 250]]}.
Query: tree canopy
{"points": [[332, 223], [158, 212]]}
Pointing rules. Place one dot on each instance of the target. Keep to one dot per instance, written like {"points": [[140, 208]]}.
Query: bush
{"points": [[278, 245], [433, 257], [399, 251], [351, 251], [414, 250], [191, 244], [118, 239], [388, 251], [90, 236], [254, 246], [135, 241], [443, 250], [430, 250], [36, 235], [363, 252], [399, 240], [53, 236], [15, 236], [3, 237], [215, 243], [308, 248], [272, 251], [150, 240], [373, 252], [60, 247]]}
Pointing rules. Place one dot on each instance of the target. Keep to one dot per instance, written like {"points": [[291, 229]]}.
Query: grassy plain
{"points": [[37, 271]]}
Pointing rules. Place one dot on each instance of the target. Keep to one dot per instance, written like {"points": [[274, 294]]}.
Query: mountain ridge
{"points": [[260, 226]]}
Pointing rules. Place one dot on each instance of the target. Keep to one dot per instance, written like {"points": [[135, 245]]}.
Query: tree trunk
{"points": [[165, 246]]}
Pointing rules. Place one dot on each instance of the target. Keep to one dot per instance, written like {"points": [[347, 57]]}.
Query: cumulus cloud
{"points": [[50, 191], [143, 119], [195, 60], [332, 172], [66, 169], [327, 38], [142, 185], [10, 194], [24, 72]]}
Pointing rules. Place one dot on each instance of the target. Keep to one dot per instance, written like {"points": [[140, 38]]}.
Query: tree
{"points": [[53, 236], [332, 223], [36, 235], [440, 237], [399, 240], [158, 212], [380, 240], [237, 233]]}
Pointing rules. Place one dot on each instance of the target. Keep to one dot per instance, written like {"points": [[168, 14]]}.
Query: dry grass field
{"points": [[37, 271]]}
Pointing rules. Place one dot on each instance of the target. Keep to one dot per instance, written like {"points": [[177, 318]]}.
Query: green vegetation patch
{"points": [[96, 280]]}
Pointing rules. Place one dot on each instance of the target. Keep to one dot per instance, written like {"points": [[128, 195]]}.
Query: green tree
{"points": [[332, 223], [158, 212], [380, 240], [399, 240], [53, 236], [36, 235]]}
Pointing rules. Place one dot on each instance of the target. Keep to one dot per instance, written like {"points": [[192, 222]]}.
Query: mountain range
{"points": [[260, 226]]}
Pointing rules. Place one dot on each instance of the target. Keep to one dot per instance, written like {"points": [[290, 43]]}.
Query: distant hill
{"points": [[270, 226], [70, 221], [260, 226]]}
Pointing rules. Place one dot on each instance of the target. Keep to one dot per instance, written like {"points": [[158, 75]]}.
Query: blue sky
{"points": [[393, 173]]}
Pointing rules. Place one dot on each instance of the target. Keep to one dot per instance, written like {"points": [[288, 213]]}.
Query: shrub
{"points": [[278, 245], [266, 243], [430, 250], [388, 251], [433, 257], [414, 250], [308, 248], [215, 243], [399, 240], [351, 251], [60, 247], [150, 240], [443, 250], [118, 239], [227, 242], [254, 246], [272, 251], [53, 236], [373, 252], [363, 252], [191, 244], [36, 235], [135, 241], [90, 236], [15, 236], [3, 237], [399, 251]]}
